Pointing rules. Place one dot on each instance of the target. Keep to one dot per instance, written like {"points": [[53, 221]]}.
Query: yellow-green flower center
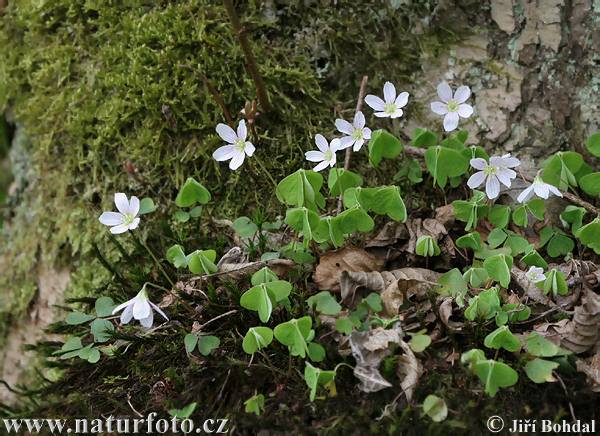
{"points": [[328, 155], [452, 106], [389, 108], [240, 145], [357, 134], [128, 218], [490, 170]]}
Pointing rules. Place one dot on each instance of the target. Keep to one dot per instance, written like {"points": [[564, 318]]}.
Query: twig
{"points": [[567, 394], [133, 408], [231, 312], [240, 31], [359, 102]]}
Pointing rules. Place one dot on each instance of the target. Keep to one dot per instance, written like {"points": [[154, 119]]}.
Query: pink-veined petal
{"points": [[111, 218], [226, 133], [121, 228], [242, 131], [478, 163], [389, 92], [358, 144], [141, 308], [375, 102], [344, 126], [492, 187], [465, 110], [249, 148], [134, 205], [526, 194], [450, 121], [462, 94], [237, 160], [225, 152], [122, 203], [402, 99], [505, 175], [359, 120], [541, 190], [314, 156], [444, 92], [134, 224], [321, 166], [127, 314], [321, 142], [439, 108], [155, 307], [476, 179]]}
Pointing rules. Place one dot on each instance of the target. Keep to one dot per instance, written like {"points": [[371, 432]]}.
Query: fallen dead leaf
{"points": [[445, 311], [591, 368], [349, 259], [583, 332], [409, 370], [529, 289], [390, 234]]}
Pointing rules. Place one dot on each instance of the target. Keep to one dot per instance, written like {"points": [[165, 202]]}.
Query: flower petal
{"points": [[249, 148], [554, 190], [462, 94], [389, 92], [381, 114], [155, 307], [335, 145], [123, 306], [541, 190], [401, 100], [122, 203], [121, 228], [526, 194], [344, 126], [321, 166], [345, 142], [439, 108], [450, 121], [375, 102], [476, 179], [134, 224], [242, 131], [397, 113], [367, 133], [134, 205], [225, 152], [111, 218], [358, 144], [492, 187], [478, 163], [226, 133], [141, 308], [127, 314], [465, 110], [147, 322], [359, 120], [321, 142], [444, 92], [505, 175], [314, 156], [237, 160]]}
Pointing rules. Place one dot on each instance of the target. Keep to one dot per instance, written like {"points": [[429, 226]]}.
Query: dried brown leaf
{"points": [[529, 289], [409, 371], [591, 368], [445, 311], [351, 259], [391, 233]]}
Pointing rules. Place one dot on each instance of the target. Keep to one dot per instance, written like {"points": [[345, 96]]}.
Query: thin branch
{"points": [[359, 102], [240, 31]]}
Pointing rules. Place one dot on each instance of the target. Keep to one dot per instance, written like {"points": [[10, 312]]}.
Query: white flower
{"points": [[391, 106], [126, 218], [493, 173], [326, 153], [356, 132], [237, 147], [540, 188], [140, 308], [535, 274], [452, 107]]}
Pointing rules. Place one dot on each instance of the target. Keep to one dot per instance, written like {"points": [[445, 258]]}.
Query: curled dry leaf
{"points": [[427, 227], [445, 215], [529, 289], [351, 259], [391, 233], [369, 349], [445, 312], [394, 286], [583, 332], [591, 368], [409, 370]]}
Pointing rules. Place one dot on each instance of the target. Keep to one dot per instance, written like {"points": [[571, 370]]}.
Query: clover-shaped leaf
{"points": [[499, 216], [257, 338], [593, 144], [295, 334], [573, 216], [304, 221], [483, 306], [424, 138], [146, 206], [76, 318], [533, 258], [427, 246], [470, 211], [435, 407], [191, 193], [419, 341], [555, 282], [558, 243], [329, 229], [324, 303], [101, 329], [185, 412], [498, 268], [495, 375], [261, 298], [316, 377], [502, 337], [472, 356], [244, 227], [355, 219], [301, 189], [206, 344], [202, 262], [453, 284], [590, 235], [339, 180], [540, 370], [476, 276], [383, 144], [263, 275], [559, 170], [470, 240], [176, 256], [104, 307], [255, 404], [444, 162], [539, 346]]}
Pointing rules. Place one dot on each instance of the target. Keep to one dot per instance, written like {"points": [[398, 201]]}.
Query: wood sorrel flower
{"points": [[139, 308], [493, 173], [356, 133], [391, 106], [237, 148], [452, 107], [326, 153], [127, 217], [539, 188], [535, 274]]}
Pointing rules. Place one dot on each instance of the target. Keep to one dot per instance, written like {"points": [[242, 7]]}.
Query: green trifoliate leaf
{"points": [[555, 282], [540, 370], [589, 235], [419, 341], [206, 344], [324, 303], [558, 241], [502, 337], [590, 184], [559, 170], [176, 256], [263, 275], [470, 211], [339, 180], [452, 284], [190, 341], [593, 144], [195, 212], [263, 297], [495, 375], [316, 377], [255, 404], [344, 325], [373, 300], [496, 238], [426, 246], [295, 334], [244, 227], [472, 356], [304, 221], [301, 189], [512, 313], [539, 346], [184, 413], [435, 407], [202, 262], [76, 318], [499, 215], [104, 307], [146, 206], [329, 229], [257, 338], [182, 216], [316, 352], [70, 348], [483, 306], [424, 138], [476, 276], [444, 162], [498, 268], [470, 240], [573, 216], [101, 329], [533, 258], [355, 219], [191, 193], [383, 145]]}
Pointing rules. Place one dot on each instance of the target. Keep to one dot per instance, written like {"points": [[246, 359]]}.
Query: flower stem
{"points": [[264, 169], [156, 261]]}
